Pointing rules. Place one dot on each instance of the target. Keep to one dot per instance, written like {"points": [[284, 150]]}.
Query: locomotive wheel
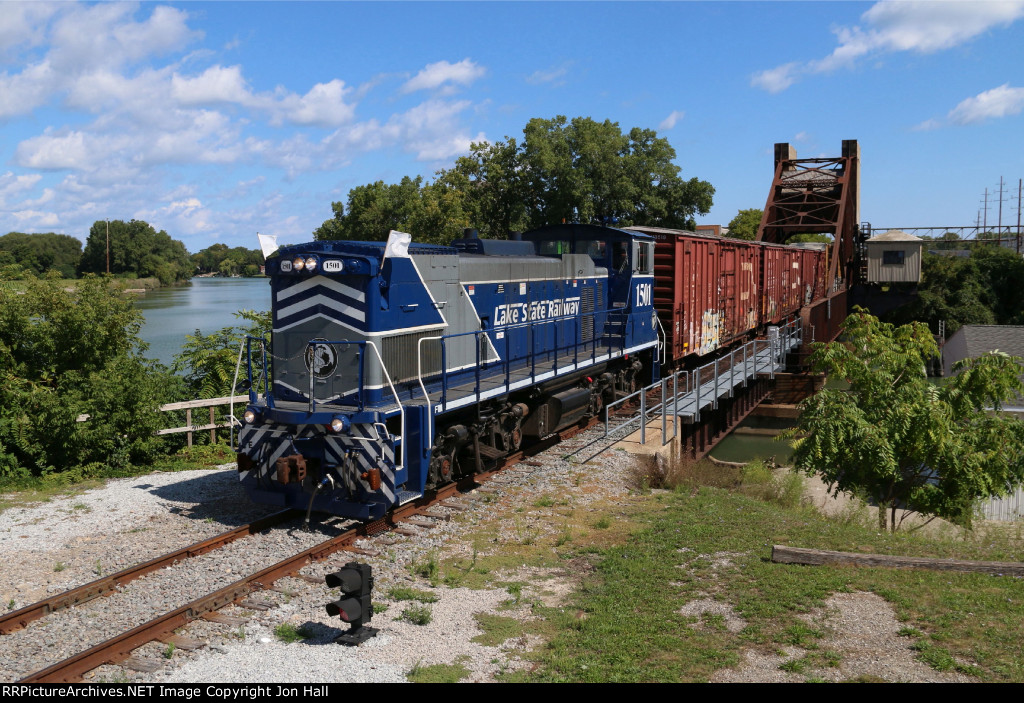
{"points": [[441, 471]]}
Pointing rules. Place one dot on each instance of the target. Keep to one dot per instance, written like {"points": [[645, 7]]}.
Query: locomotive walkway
{"points": [[686, 394]]}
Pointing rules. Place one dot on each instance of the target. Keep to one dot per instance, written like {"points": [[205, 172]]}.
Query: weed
{"points": [[516, 591], [288, 633], [438, 673], [169, 652], [240, 634], [379, 608], [794, 666], [59, 566], [98, 568], [428, 568], [417, 614], [936, 657], [544, 502], [604, 523], [406, 593], [10, 604], [497, 629], [800, 635], [909, 632], [563, 537]]}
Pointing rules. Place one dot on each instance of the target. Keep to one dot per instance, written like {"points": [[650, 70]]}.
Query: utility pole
{"points": [[1019, 182], [108, 247]]}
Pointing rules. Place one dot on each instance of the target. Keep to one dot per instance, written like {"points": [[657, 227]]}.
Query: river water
{"points": [[207, 304]]}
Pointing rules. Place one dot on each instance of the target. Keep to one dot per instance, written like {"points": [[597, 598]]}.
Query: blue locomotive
{"points": [[396, 367]]}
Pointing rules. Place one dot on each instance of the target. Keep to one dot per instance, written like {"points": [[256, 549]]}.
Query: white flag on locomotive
{"points": [[268, 243], [398, 245]]}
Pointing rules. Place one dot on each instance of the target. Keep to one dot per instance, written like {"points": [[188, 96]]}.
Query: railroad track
{"points": [[162, 628]]}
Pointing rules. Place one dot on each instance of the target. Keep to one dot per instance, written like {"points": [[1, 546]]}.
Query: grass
{"points": [[289, 633], [623, 623], [438, 673], [417, 614], [406, 593]]}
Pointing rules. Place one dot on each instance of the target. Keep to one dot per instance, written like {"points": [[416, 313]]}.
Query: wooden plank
{"points": [[226, 400], [146, 666], [224, 619], [255, 605], [816, 557], [182, 642]]}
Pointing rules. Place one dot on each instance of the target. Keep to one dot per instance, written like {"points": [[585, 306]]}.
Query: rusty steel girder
{"points": [[816, 196]]}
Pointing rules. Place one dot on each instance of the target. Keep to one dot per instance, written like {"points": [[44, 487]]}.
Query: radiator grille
{"points": [[400, 354]]}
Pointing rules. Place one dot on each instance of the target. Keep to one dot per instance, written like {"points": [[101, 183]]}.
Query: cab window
{"points": [[644, 257], [554, 247]]}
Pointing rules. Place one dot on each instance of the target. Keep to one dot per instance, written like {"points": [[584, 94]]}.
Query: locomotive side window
{"points": [[554, 247], [595, 248], [645, 257]]}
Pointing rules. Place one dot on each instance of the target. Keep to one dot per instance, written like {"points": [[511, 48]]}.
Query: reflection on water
{"points": [[742, 445], [208, 304]]}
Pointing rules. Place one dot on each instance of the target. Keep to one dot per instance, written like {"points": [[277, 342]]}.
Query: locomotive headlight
{"points": [[340, 423], [249, 416], [299, 263], [310, 264]]}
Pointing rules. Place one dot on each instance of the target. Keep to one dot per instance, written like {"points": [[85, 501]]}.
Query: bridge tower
{"points": [[818, 196]]}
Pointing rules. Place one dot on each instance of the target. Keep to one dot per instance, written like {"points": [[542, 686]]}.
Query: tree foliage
{"points": [[228, 261], [983, 289], [208, 361], [136, 249], [38, 253], [66, 352], [745, 224], [563, 170], [902, 441]]}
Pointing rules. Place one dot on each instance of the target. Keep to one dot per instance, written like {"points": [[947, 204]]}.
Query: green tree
{"points": [[208, 361], [745, 224], [41, 252], [563, 170], [72, 352], [901, 441], [136, 249]]}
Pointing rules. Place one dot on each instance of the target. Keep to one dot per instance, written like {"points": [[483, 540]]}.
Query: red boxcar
{"points": [[712, 291], [705, 290]]}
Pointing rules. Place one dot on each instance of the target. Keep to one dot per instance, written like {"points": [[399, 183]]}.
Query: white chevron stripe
{"points": [[304, 320], [317, 281], [341, 308]]}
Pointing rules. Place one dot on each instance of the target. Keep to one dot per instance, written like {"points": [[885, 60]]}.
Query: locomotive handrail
{"points": [[603, 339], [362, 344]]}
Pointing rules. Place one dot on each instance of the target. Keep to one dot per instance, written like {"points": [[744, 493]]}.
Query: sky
{"points": [[217, 120]]}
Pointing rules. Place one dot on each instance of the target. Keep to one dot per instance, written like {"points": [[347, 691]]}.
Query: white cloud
{"points": [[216, 84], [551, 75], [35, 219], [891, 26], [438, 74], [323, 106], [775, 80], [998, 102], [14, 186], [24, 23], [927, 126], [670, 121]]}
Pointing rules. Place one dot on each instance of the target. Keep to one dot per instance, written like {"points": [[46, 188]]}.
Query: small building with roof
{"points": [[894, 257]]}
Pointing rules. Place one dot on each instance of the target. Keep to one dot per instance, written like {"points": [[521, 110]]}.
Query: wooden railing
{"points": [[189, 405]]}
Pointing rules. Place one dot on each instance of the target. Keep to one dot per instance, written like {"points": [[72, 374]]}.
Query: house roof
{"points": [[895, 235], [986, 338]]}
